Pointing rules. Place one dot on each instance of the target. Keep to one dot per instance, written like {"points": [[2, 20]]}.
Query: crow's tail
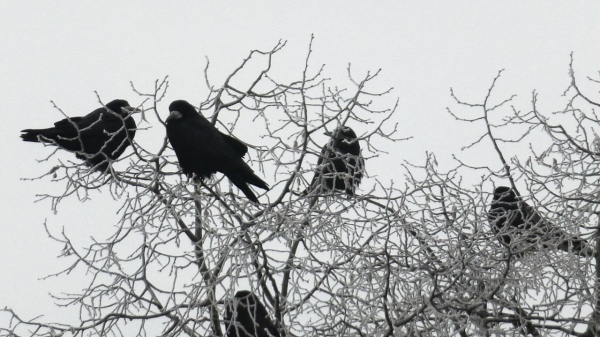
{"points": [[242, 183], [31, 135], [248, 193], [577, 246], [581, 247], [253, 179]]}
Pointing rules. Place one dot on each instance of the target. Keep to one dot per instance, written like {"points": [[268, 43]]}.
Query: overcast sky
{"points": [[64, 51]]}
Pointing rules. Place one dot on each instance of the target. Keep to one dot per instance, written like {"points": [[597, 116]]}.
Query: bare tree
{"points": [[548, 291], [416, 258]]}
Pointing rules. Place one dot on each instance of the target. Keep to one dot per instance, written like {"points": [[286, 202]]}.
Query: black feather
{"points": [[98, 137], [246, 316], [203, 150], [520, 227], [340, 165]]}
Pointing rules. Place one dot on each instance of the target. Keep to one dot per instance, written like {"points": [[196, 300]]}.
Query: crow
{"points": [[515, 221], [98, 137], [246, 316], [340, 165], [203, 150]]}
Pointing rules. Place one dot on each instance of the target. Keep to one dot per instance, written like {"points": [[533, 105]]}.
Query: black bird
{"points": [[515, 221], [203, 150], [246, 316], [340, 165], [98, 137]]}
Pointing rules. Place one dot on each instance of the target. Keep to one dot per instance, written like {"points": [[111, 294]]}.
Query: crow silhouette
{"points": [[246, 316], [98, 137], [203, 150], [340, 165], [521, 227]]}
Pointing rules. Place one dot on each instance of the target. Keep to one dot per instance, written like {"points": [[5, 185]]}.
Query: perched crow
{"points": [[341, 164], [246, 316], [526, 229], [203, 150], [98, 137]]}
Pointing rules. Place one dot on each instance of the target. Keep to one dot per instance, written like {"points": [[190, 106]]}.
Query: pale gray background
{"points": [[64, 51]]}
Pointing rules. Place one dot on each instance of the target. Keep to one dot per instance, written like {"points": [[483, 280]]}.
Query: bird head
{"points": [[121, 107], [505, 194], [246, 297], [179, 109], [344, 138], [342, 133]]}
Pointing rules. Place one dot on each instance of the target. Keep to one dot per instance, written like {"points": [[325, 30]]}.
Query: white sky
{"points": [[64, 51]]}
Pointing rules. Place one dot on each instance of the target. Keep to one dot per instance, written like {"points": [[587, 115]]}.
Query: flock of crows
{"points": [[100, 137]]}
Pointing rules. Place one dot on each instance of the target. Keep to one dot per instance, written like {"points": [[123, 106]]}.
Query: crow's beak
{"points": [[131, 110], [174, 115], [327, 133]]}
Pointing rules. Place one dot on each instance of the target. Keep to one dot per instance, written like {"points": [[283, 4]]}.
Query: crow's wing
{"points": [[93, 118], [201, 148], [117, 132], [238, 147], [325, 153], [71, 133], [65, 123]]}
